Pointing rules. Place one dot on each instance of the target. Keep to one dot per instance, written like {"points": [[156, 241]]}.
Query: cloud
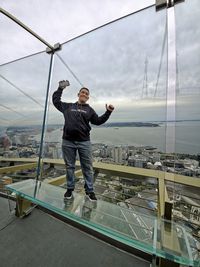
{"points": [[57, 21], [110, 61]]}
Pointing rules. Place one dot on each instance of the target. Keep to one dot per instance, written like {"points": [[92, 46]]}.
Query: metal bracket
{"points": [[161, 4], [23, 207], [168, 211], [56, 47]]}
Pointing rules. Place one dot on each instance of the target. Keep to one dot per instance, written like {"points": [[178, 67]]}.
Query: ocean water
{"points": [[186, 141], [187, 136]]}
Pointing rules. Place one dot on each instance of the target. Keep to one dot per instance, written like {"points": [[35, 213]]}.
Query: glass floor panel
{"points": [[144, 232]]}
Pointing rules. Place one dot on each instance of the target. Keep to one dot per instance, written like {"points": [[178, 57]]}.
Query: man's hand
{"points": [[110, 107], [63, 84]]}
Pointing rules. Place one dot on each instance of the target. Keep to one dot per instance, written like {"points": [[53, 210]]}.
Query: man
{"points": [[76, 136]]}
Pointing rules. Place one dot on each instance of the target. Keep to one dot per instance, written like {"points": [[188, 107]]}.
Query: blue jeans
{"points": [[69, 150]]}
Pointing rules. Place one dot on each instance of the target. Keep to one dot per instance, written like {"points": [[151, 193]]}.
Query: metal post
{"points": [[44, 121]]}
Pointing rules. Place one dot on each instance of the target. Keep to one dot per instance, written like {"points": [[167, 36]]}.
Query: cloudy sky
{"points": [[123, 63], [56, 21]]}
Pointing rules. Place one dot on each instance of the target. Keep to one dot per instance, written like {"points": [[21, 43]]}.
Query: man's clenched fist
{"points": [[110, 107], [63, 84]]}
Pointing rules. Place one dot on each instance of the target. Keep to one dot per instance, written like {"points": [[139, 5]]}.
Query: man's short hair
{"points": [[85, 89]]}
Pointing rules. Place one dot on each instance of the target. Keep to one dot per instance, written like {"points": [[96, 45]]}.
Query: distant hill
{"points": [[130, 124]]}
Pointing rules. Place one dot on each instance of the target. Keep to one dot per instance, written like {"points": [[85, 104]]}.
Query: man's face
{"points": [[83, 96]]}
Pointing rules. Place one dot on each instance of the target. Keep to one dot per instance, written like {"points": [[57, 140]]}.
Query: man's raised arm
{"points": [[56, 98], [98, 120]]}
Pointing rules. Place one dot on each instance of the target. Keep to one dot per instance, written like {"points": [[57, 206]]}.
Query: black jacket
{"points": [[77, 118]]}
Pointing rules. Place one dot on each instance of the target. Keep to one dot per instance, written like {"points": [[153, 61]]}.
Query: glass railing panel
{"points": [[130, 73], [125, 64], [134, 82], [52, 145], [188, 88], [173, 243], [187, 142], [128, 225], [23, 86], [55, 119], [147, 233]]}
